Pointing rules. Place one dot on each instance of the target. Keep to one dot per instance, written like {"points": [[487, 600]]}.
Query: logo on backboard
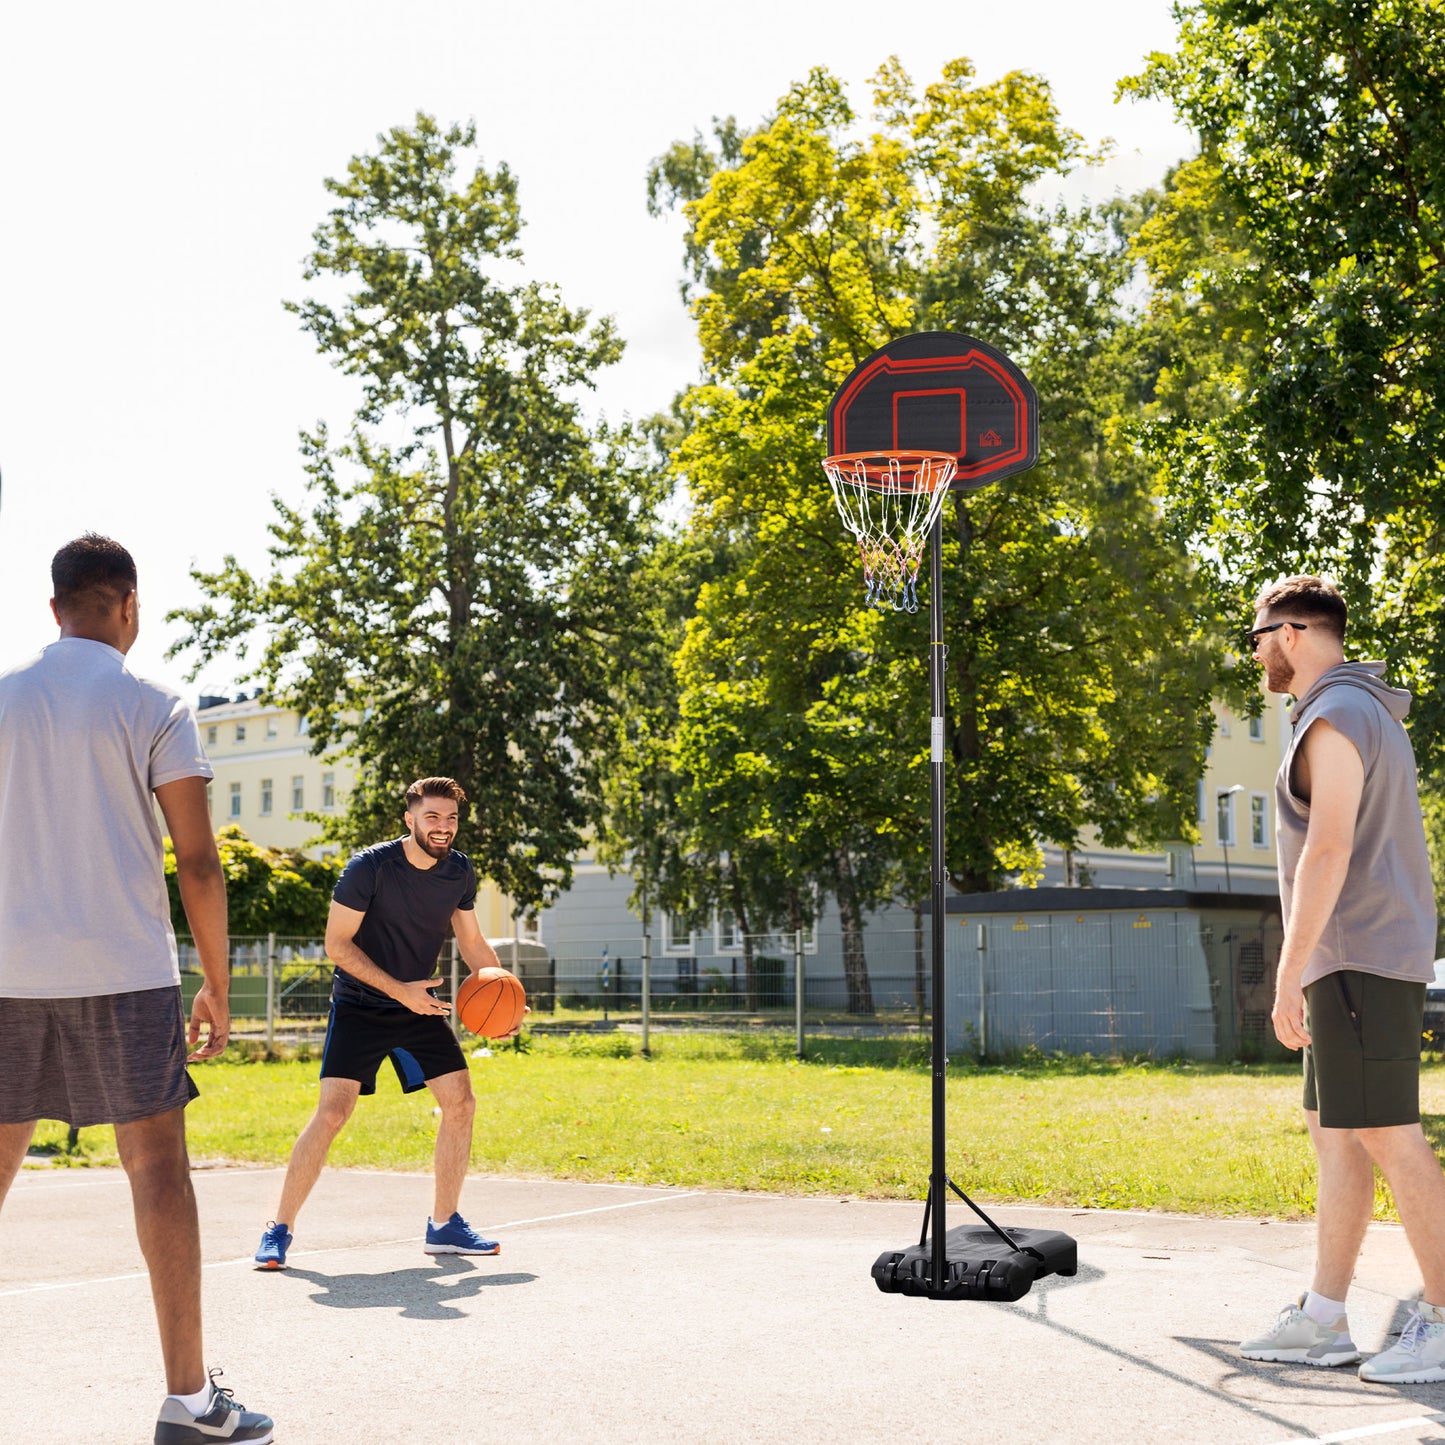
{"points": [[990, 438]]}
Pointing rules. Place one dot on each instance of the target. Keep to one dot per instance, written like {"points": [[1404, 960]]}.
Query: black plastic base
{"points": [[979, 1264]]}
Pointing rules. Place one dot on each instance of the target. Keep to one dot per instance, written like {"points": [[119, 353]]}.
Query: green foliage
{"points": [[268, 890], [453, 595], [1305, 254], [1078, 666]]}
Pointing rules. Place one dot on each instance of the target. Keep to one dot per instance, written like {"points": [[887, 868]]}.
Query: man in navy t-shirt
{"points": [[390, 913]]}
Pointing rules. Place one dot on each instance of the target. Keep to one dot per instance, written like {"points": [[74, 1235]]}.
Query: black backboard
{"points": [[940, 391]]}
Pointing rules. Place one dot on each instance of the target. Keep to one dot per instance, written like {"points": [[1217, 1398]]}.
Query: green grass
{"points": [[739, 1112]]}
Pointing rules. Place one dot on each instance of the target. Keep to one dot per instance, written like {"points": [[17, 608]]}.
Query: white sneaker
{"points": [[1297, 1339], [1419, 1358]]}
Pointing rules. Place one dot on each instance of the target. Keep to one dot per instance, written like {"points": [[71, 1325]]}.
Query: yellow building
{"points": [[1235, 814], [267, 779]]}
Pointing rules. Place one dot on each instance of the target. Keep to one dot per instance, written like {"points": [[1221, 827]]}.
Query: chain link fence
{"points": [[1165, 983]]}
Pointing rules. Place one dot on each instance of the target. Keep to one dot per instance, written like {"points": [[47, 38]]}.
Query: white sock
{"points": [[1321, 1310], [196, 1403]]}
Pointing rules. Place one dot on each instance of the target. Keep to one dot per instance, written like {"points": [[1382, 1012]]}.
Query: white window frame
{"points": [[670, 943], [724, 934], [1224, 828], [328, 792], [273, 729], [213, 732], [240, 732], [235, 801], [1259, 815], [298, 793], [1256, 729], [1221, 725], [268, 796]]}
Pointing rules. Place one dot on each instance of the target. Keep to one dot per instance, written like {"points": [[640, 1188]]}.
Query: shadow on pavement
{"points": [[416, 1294]]}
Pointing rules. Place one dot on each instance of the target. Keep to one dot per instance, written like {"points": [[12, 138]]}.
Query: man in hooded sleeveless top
{"points": [[1359, 946]]}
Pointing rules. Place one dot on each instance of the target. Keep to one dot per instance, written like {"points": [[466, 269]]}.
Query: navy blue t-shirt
{"points": [[408, 912]]}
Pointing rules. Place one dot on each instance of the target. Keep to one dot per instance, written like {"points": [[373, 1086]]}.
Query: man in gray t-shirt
{"points": [[91, 1024], [1359, 915]]}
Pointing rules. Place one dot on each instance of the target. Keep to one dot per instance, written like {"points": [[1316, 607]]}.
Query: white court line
{"points": [[343, 1248], [1389, 1427]]}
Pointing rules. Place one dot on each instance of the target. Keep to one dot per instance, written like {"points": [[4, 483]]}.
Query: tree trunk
{"points": [[920, 996], [740, 922], [855, 961], [965, 744]]}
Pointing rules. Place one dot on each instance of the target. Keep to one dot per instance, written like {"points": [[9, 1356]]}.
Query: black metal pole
{"points": [[938, 1179]]}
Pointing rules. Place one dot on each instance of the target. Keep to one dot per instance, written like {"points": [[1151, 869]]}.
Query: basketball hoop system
{"points": [[972, 419], [889, 501]]}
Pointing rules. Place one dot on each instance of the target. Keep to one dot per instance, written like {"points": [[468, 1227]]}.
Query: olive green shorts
{"points": [[1362, 1064]]}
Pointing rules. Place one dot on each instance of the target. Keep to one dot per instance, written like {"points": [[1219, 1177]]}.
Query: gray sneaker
{"points": [[1419, 1358], [222, 1419], [1296, 1339]]}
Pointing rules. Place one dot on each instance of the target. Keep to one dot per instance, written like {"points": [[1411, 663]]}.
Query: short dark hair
{"points": [[434, 788], [91, 574], [1311, 599]]}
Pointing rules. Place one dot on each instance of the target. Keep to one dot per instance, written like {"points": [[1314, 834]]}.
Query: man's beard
{"points": [[432, 850], [1278, 674]]}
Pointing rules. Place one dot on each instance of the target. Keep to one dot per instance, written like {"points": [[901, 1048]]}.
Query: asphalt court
{"points": [[617, 1313]]}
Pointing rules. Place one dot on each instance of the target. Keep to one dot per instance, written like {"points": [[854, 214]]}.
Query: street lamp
{"points": [[1225, 832]]}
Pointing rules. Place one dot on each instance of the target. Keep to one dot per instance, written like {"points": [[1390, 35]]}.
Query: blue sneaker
{"points": [[456, 1236], [275, 1241], [223, 1419]]}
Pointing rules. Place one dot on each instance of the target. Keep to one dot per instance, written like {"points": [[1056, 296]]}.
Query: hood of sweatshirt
{"points": [[1367, 675]]}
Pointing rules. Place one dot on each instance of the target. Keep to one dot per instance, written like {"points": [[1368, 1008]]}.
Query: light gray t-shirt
{"points": [[1384, 921], [83, 746]]}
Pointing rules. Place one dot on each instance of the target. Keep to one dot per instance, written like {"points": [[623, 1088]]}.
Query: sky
{"points": [[161, 173]]}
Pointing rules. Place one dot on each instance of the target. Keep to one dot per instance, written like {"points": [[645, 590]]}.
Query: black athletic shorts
{"points": [[420, 1046], [1362, 1064]]}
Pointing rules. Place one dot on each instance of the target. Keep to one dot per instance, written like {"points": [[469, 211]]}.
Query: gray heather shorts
{"points": [[112, 1059]]}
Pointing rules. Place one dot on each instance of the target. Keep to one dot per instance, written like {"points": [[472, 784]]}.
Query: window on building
{"points": [[726, 933], [676, 936], [212, 733], [273, 728], [302, 726], [1224, 818], [1256, 729], [1221, 726], [235, 800], [298, 794], [1201, 812], [1259, 821], [240, 732], [267, 792], [328, 792]]}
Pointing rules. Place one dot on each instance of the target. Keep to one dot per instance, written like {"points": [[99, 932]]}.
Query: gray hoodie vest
{"points": [[1384, 922]]}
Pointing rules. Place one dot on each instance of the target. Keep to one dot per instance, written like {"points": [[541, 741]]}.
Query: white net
{"points": [[889, 501]]}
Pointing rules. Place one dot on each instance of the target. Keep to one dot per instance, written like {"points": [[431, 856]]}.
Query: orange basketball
{"points": [[491, 1002]]}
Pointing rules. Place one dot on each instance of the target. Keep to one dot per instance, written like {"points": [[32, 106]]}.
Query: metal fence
{"points": [[1164, 983]]}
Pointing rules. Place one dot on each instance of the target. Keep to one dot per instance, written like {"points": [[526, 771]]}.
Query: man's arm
{"points": [[343, 950], [1336, 780], [203, 895]]}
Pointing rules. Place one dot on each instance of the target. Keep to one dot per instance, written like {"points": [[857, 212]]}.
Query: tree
{"points": [[453, 594], [1322, 143], [1079, 668], [268, 890]]}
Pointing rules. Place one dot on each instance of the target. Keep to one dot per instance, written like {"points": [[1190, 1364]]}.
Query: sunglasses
{"points": [[1251, 638]]}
